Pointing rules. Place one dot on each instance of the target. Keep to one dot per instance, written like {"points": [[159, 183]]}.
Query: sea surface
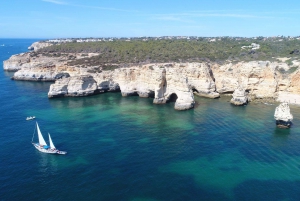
{"points": [[126, 148]]}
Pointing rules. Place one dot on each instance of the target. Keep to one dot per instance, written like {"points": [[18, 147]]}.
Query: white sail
{"points": [[51, 143], [40, 136]]}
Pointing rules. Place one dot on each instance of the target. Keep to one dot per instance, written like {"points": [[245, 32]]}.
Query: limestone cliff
{"points": [[15, 62], [261, 79], [200, 78], [28, 61], [73, 86], [258, 77], [159, 82], [38, 45]]}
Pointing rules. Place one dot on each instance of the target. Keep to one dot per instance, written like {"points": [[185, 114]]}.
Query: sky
{"points": [[135, 18]]}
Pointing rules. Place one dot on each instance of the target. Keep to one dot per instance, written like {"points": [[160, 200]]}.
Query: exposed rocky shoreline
{"points": [[247, 81]]}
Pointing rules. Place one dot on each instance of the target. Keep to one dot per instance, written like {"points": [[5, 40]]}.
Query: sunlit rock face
{"points": [[294, 82], [38, 45], [162, 83], [60, 88], [29, 61], [39, 74], [158, 81], [175, 85], [105, 81], [165, 81], [283, 116], [239, 97], [200, 78], [257, 77], [83, 85], [15, 62]]}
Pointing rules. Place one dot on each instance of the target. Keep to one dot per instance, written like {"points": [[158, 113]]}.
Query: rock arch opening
{"points": [[195, 90], [172, 98]]}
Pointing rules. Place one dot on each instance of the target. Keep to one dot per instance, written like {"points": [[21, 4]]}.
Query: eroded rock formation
{"points": [[39, 74], [83, 85], [200, 78], [164, 82], [258, 77], [283, 116], [158, 81], [16, 62], [38, 45], [239, 97]]}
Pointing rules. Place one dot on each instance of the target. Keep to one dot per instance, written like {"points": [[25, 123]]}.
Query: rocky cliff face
{"points": [[38, 45], [258, 77], [164, 82], [200, 78], [83, 85], [16, 62], [28, 61]]}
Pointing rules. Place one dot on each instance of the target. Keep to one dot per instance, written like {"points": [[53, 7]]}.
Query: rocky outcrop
{"points": [[283, 116], [26, 61], [32, 61], [38, 45], [105, 82], [161, 82], [174, 86], [200, 78], [258, 77], [16, 62], [294, 82], [164, 84], [83, 85], [261, 79], [36, 74], [60, 88], [239, 97]]}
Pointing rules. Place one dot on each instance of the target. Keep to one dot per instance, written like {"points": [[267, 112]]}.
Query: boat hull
{"points": [[48, 151], [283, 124]]}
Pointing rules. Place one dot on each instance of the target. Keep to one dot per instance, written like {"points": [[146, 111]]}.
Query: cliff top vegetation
{"points": [[124, 52]]}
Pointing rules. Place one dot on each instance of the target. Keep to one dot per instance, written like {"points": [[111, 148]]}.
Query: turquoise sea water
{"points": [[130, 149]]}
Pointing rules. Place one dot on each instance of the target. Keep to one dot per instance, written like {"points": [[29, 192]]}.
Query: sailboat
{"points": [[42, 145]]}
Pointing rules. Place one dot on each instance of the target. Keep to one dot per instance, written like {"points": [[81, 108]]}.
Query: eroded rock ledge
{"points": [[160, 82], [83, 85]]}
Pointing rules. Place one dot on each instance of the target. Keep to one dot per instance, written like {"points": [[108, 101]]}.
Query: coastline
{"points": [[263, 81]]}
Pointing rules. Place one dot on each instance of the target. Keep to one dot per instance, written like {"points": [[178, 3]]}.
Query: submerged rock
{"points": [[239, 97], [283, 116]]}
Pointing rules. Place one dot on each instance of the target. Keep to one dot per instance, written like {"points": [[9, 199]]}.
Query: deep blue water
{"points": [[129, 149]]}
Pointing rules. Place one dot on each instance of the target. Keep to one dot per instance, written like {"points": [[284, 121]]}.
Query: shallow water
{"points": [[126, 148]]}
